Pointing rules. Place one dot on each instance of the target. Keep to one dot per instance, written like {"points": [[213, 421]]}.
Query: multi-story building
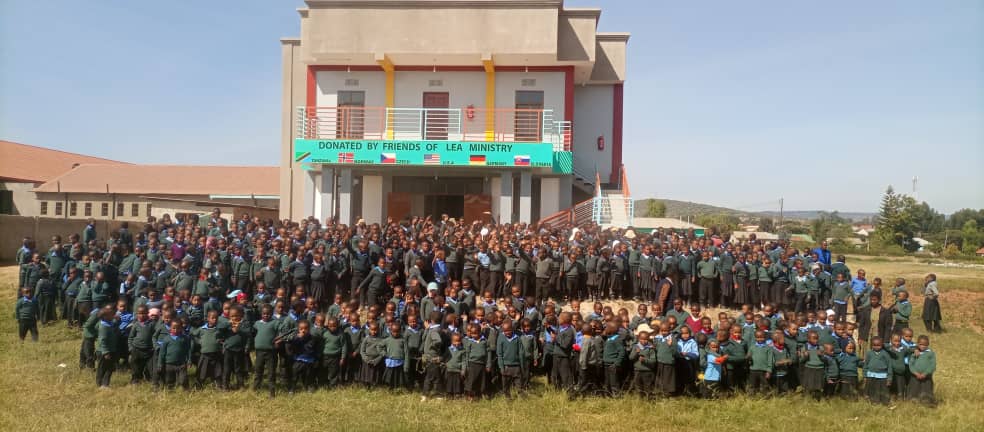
{"points": [[472, 108]]}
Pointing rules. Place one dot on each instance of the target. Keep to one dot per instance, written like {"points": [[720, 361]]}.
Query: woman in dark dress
{"points": [[319, 276], [931, 305]]}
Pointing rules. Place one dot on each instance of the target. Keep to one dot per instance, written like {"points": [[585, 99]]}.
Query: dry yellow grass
{"points": [[37, 394]]}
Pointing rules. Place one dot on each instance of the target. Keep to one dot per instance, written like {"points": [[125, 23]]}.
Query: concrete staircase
{"points": [[616, 209], [608, 208]]}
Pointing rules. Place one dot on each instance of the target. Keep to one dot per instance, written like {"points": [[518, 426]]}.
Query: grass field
{"points": [[37, 394]]}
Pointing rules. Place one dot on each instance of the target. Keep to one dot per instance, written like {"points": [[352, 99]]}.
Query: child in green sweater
{"points": [[877, 368], [785, 361], [643, 359], [762, 361], [395, 358], [87, 357], [264, 333], [666, 357], [108, 337], [736, 366], [903, 310], [613, 356], [478, 359], [207, 340], [175, 355], [235, 335], [899, 373], [334, 350], [922, 365], [847, 365], [811, 356], [371, 351], [26, 313], [455, 367], [831, 373]]}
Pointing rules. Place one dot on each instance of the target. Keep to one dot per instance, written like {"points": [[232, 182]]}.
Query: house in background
{"points": [[923, 243], [24, 167], [648, 225], [36, 181], [134, 192], [759, 235]]}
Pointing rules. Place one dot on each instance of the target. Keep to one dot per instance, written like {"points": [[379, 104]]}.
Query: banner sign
{"points": [[444, 153]]}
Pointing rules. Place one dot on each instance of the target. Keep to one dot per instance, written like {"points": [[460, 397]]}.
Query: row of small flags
{"points": [[433, 159]]}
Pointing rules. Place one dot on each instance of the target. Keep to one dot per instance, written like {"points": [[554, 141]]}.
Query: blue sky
{"points": [[727, 103]]}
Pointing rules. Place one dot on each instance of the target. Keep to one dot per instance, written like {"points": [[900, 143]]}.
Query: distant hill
{"points": [[812, 214], [676, 209]]}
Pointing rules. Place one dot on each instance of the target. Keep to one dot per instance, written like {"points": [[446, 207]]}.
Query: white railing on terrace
{"points": [[442, 124]]}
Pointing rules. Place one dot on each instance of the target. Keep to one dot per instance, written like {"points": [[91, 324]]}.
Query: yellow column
{"points": [[390, 71], [489, 98]]}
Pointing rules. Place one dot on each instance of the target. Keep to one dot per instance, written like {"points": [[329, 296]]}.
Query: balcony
{"points": [[503, 125]]}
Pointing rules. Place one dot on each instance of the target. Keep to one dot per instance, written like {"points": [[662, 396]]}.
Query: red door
{"points": [[436, 118]]}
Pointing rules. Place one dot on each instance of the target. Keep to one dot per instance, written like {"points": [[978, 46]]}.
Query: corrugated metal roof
{"points": [[32, 164], [167, 180], [646, 222]]}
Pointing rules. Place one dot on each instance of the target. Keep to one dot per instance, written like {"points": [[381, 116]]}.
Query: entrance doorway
{"points": [[451, 205], [436, 117], [529, 112]]}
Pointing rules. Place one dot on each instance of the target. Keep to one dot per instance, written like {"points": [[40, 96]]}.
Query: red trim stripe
{"points": [[618, 97], [569, 94], [312, 87]]}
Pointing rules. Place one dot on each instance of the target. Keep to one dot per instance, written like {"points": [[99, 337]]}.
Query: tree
{"points": [[720, 223], [928, 220], [895, 221], [960, 217], [951, 251], [971, 237], [766, 224], [793, 226], [819, 227], [655, 208], [828, 225]]}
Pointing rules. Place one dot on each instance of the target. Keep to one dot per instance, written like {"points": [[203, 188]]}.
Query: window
{"points": [[351, 118], [529, 111], [105, 209], [119, 209], [148, 209], [6, 202], [88, 209], [58, 209], [134, 209], [73, 208], [44, 207]]}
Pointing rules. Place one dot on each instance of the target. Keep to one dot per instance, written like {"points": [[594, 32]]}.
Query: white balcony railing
{"points": [[441, 124]]}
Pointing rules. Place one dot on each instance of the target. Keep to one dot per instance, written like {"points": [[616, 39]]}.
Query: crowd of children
{"points": [[471, 310]]}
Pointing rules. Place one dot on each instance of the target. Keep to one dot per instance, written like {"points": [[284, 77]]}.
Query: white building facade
{"points": [[509, 109]]}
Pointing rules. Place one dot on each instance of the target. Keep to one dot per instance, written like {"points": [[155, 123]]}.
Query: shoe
{"points": [[423, 398]]}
